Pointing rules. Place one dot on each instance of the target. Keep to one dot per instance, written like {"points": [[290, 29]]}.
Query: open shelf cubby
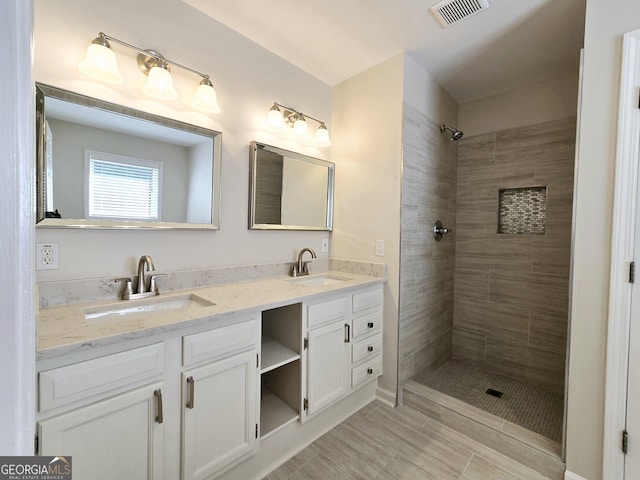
{"points": [[280, 367]]}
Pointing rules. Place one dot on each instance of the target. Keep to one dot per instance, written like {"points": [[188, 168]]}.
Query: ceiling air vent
{"points": [[449, 12]]}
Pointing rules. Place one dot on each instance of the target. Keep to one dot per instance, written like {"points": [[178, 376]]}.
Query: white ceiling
{"points": [[512, 44]]}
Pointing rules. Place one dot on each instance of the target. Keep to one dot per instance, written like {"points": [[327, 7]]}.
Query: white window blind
{"points": [[122, 187]]}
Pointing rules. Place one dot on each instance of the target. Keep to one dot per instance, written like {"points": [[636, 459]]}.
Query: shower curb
{"points": [[531, 449]]}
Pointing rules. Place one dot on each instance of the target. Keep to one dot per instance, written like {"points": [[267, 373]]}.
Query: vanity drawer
{"points": [[367, 348], [367, 300], [65, 385], [220, 342], [326, 312], [367, 324], [367, 371]]}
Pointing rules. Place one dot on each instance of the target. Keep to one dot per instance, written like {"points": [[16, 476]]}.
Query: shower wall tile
{"points": [[428, 358], [550, 292], [469, 344], [471, 285], [426, 267], [500, 321], [477, 151], [525, 361], [511, 291], [548, 331], [493, 251], [551, 254]]}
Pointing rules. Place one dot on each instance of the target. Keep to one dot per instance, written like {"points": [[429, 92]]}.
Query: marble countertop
{"points": [[64, 329]]}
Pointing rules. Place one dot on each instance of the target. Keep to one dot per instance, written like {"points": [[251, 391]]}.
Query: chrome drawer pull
{"points": [[158, 394], [369, 371], [347, 332], [370, 324], [370, 348], [191, 384]]}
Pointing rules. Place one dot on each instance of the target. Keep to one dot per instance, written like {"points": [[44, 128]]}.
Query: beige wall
{"points": [[64, 29], [367, 151], [511, 291], [542, 102], [606, 22]]}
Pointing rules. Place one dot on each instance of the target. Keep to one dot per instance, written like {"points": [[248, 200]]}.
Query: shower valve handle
{"points": [[439, 230]]}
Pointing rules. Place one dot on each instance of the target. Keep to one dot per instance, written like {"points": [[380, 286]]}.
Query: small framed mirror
{"points": [[101, 165], [289, 191]]}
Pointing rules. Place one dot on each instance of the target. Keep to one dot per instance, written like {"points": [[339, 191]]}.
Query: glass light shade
{"points": [[160, 85], [100, 63], [300, 126], [206, 99], [274, 117], [322, 136]]}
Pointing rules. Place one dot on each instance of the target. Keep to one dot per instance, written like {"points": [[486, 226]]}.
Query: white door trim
{"points": [[622, 246], [17, 230]]}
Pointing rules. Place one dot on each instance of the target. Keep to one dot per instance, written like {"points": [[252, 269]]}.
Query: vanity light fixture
{"points": [[280, 115], [100, 63]]}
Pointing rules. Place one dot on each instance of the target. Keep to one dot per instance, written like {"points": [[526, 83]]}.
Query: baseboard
{"points": [[572, 476], [385, 396]]}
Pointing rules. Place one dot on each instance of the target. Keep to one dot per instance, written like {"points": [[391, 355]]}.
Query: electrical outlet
{"points": [[380, 248], [325, 245], [46, 256]]}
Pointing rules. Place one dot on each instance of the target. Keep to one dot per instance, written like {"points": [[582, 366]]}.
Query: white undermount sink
{"points": [[127, 309], [319, 280]]}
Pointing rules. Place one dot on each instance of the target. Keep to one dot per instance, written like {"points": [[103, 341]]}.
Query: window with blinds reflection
{"points": [[122, 187]]}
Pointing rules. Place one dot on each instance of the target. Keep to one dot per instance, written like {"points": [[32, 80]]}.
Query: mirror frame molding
{"points": [[68, 96], [253, 159]]}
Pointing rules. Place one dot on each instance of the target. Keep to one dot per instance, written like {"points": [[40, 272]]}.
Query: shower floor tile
{"points": [[530, 406]]}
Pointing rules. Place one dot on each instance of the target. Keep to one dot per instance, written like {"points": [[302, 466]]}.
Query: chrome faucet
{"points": [[142, 281], [301, 268], [145, 288]]}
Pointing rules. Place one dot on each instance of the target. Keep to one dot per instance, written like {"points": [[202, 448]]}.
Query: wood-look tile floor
{"points": [[383, 443]]}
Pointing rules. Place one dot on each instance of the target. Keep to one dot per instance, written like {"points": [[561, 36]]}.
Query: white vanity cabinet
{"points": [[366, 349], [101, 415], [327, 352], [115, 438], [194, 401], [219, 398], [343, 346], [108, 412]]}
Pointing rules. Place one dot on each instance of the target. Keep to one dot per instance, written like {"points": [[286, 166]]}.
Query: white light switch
{"points": [[325, 245], [380, 248]]}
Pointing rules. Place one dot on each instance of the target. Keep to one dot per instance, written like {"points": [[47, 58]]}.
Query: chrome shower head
{"points": [[455, 134]]}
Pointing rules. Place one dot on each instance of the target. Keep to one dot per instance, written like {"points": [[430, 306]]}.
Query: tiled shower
{"points": [[493, 292]]}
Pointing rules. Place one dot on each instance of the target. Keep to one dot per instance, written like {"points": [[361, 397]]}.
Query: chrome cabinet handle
{"points": [[370, 348], [369, 371], [158, 394], [191, 384], [347, 332], [370, 324]]}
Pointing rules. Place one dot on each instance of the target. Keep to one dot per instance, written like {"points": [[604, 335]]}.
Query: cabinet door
{"points": [[219, 415], [116, 438], [327, 366]]}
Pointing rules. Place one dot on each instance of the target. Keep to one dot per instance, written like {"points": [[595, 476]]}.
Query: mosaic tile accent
{"points": [[522, 211]]}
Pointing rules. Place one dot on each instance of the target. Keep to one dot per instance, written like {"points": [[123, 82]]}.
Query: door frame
{"points": [[622, 250]]}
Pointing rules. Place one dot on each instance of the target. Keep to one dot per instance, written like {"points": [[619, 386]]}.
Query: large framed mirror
{"points": [[289, 191], [101, 165]]}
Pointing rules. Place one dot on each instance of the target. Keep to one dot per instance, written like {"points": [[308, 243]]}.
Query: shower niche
{"points": [[522, 211]]}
